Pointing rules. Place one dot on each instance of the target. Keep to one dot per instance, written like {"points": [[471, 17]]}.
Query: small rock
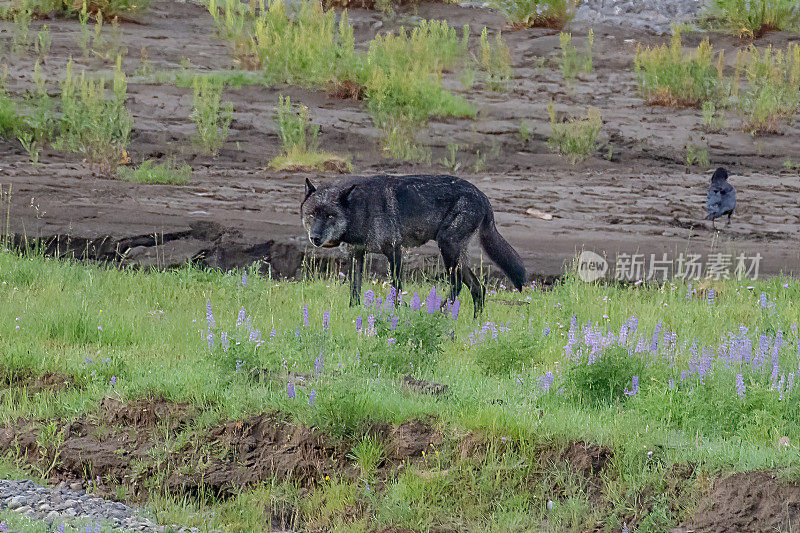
{"points": [[76, 486]]}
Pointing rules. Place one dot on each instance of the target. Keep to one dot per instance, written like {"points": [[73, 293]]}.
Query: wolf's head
{"points": [[324, 213]]}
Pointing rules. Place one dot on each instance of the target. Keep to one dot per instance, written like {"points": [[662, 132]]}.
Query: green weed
{"points": [[754, 18], [169, 172], [543, 13], [212, 117], [572, 61], [575, 138], [495, 61], [667, 76]]}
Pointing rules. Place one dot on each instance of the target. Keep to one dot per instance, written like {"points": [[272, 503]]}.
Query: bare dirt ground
{"points": [[234, 211]]}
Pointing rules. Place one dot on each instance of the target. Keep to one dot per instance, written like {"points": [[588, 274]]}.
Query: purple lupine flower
{"points": [[113, 381], [656, 334], [763, 299], [391, 298], [326, 320], [223, 339], [359, 323], [59, 529], [634, 387], [689, 291], [432, 301], [290, 389], [255, 336], [369, 297], [244, 278], [455, 308], [740, 389], [711, 296], [371, 324], [319, 364], [394, 322], [546, 331], [209, 314], [239, 365], [306, 323], [273, 333], [312, 397], [88, 528], [671, 384], [241, 317], [3, 527], [781, 382], [790, 383], [210, 340], [416, 304], [546, 381]]}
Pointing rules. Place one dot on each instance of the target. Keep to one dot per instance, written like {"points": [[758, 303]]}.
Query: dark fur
{"points": [[384, 214], [721, 197]]}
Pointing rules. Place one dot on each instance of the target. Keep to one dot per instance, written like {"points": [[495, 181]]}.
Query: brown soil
{"points": [[755, 502], [35, 383], [235, 212]]}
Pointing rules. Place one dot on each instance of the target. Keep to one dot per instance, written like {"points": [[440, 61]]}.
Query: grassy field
{"points": [[570, 408]]}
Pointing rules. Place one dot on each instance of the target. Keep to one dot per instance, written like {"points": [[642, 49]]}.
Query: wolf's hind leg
{"points": [[476, 288], [356, 275]]}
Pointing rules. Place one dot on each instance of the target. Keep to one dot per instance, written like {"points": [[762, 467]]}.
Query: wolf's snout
{"points": [[316, 241]]}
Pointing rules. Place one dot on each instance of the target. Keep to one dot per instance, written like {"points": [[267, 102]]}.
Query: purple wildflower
{"points": [[210, 340], [369, 297], [3, 527], [390, 341], [455, 308], [223, 339], [689, 291], [711, 296], [241, 317], [255, 336], [763, 300], [546, 331], [432, 301], [244, 279], [359, 323], [740, 389], [634, 387], [59, 529], [326, 320], [546, 381], [656, 334], [671, 384], [305, 316], [209, 314], [371, 323], [312, 397], [319, 364], [416, 304], [625, 527], [394, 322], [113, 381], [239, 365], [290, 389]]}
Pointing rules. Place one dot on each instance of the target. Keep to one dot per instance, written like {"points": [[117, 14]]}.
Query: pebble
{"points": [[64, 504]]}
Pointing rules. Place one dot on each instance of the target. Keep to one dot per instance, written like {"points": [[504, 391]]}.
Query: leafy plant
{"points": [[575, 138], [543, 13], [667, 76], [299, 141], [572, 61], [772, 95], [605, 377], [92, 125], [754, 18], [212, 117], [496, 62], [451, 161], [169, 172]]}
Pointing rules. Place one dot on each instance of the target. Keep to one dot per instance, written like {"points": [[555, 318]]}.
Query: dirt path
{"points": [[642, 201]]}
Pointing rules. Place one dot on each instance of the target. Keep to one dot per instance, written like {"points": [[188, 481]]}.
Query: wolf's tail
{"points": [[499, 251]]}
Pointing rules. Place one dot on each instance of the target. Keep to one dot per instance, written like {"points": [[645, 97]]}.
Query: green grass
{"points": [[754, 18], [109, 9], [575, 138], [574, 62], [168, 172], [152, 328], [543, 13], [669, 76], [299, 141]]}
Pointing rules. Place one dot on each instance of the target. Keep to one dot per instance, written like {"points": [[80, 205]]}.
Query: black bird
{"points": [[721, 197]]}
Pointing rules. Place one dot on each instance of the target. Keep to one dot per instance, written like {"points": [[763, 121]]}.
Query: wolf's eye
{"points": [[330, 217]]}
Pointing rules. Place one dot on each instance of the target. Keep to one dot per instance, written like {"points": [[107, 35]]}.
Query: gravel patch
{"points": [[66, 504], [651, 15]]}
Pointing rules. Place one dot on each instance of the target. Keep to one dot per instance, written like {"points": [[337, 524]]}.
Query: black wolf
{"points": [[384, 214], [721, 197]]}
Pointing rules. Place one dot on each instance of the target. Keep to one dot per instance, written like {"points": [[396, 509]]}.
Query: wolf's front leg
{"points": [[395, 257], [356, 274]]}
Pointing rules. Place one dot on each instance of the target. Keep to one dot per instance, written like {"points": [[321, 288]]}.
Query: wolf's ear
{"points": [[343, 196], [310, 189]]}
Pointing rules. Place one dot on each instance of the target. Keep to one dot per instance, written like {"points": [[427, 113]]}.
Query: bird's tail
{"points": [[499, 251]]}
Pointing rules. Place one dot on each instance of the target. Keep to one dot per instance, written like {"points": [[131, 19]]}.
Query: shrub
{"points": [[575, 138], [210, 114], [772, 95], [300, 143], [10, 121], [542, 13], [108, 9], [508, 353], [607, 377], [667, 76], [167, 173], [572, 61], [91, 125], [496, 62], [753, 18]]}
